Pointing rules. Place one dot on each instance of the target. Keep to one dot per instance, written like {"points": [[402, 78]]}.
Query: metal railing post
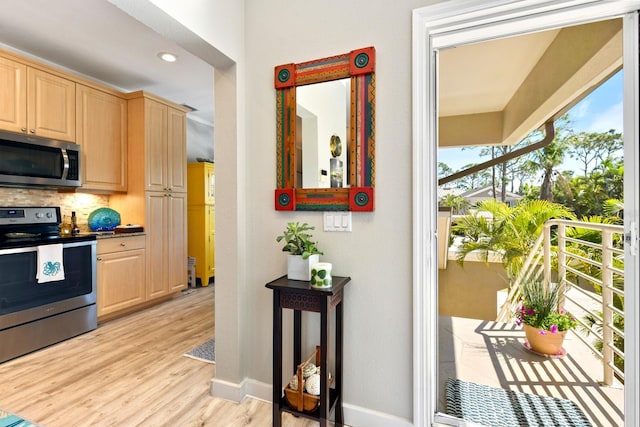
{"points": [[547, 253], [562, 259], [607, 302]]}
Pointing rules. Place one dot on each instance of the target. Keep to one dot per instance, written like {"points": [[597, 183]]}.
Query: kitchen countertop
{"points": [[110, 235]]}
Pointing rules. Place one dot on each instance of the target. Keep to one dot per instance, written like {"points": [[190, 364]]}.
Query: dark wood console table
{"points": [[300, 296]]}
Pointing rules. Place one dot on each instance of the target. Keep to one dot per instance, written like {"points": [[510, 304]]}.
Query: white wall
{"points": [[214, 31], [199, 141], [377, 254], [220, 22]]}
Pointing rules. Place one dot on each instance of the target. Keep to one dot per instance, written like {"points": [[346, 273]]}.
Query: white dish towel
{"points": [[50, 265]]}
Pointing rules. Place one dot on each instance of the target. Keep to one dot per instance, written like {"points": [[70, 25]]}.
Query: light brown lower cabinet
{"points": [[121, 274]]}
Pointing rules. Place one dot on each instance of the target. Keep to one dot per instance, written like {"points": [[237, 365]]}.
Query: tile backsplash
{"points": [[83, 204]]}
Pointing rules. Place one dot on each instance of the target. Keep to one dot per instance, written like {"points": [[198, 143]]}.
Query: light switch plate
{"points": [[337, 221]]}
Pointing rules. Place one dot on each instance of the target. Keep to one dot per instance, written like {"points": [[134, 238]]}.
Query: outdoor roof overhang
{"points": [[499, 91]]}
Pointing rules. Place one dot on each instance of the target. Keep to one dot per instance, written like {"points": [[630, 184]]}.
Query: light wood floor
{"points": [[130, 372]]}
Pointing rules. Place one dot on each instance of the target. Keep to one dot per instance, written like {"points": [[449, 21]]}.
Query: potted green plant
{"points": [[303, 252], [545, 323]]}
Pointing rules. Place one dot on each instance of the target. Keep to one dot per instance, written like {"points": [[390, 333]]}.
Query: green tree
{"points": [[587, 196], [457, 203], [509, 231], [591, 148], [614, 208], [547, 160], [474, 180], [444, 170]]}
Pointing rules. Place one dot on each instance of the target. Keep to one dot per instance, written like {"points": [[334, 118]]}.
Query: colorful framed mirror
{"points": [[326, 133]]}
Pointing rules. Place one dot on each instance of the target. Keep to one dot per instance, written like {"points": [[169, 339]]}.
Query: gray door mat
{"points": [[496, 407]]}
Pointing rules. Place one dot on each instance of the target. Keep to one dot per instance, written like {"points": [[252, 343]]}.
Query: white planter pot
{"points": [[300, 269]]}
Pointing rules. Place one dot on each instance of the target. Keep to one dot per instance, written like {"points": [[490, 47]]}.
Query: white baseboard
{"points": [[357, 416], [236, 392], [228, 391], [259, 390], [354, 416]]}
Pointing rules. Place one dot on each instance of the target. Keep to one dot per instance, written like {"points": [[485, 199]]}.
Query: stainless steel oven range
{"points": [[36, 312]]}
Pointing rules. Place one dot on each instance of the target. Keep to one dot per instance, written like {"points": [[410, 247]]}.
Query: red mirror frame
{"points": [[359, 66]]}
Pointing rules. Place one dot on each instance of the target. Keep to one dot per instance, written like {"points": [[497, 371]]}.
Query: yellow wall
{"points": [[470, 290]]}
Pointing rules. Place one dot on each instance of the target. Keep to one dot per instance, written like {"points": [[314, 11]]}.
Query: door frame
{"points": [[448, 24]]}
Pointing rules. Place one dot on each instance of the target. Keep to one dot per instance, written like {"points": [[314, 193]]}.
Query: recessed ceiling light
{"points": [[168, 57]]}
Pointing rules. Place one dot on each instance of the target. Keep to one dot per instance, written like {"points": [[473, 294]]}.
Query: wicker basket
{"points": [[299, 399]]}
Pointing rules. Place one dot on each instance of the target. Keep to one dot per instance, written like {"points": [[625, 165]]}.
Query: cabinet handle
{"points": [[99, 258], [123, 244], [32, 131], [23, 129]]}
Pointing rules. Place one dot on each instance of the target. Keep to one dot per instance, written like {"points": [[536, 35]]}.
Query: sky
{"points": [[600, 111]]}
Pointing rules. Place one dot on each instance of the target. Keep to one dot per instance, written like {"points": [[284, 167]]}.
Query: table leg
{"points": [[277, 359], [297, 339], [339, 415], [324, 365]]}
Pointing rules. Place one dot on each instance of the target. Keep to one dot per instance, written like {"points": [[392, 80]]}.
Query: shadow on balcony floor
{"points": [[493, 354]]}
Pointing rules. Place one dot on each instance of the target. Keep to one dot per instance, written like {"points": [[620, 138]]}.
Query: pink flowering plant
{"points": [[539, 308]]}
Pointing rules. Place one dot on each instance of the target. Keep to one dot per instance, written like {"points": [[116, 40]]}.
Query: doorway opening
{"points": [[436, 31]]}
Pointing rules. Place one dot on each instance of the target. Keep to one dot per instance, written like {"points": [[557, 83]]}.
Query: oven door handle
{"points": [[35, 248]]}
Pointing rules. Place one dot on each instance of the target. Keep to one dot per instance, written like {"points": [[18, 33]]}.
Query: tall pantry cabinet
{"points": [[201, 215], [157, 190]]}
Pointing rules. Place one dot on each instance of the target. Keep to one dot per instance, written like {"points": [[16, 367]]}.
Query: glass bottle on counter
{"points": [[74, 224], [65, 227]]}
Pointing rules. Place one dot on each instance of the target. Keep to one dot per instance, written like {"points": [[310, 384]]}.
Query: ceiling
{"points": [[494, 92], [98, 40], [498, 91], [483, 73]]}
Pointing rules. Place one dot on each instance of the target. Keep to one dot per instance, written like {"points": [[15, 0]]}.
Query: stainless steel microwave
{"points": [[32, 161]]}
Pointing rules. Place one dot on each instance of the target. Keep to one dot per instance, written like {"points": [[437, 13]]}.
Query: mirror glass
{"points": [[322, 134]]}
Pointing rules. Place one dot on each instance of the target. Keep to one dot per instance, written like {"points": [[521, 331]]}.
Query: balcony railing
{"points": [[588, 259]]}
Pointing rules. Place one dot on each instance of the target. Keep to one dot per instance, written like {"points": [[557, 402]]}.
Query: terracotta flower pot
{"points": [[546, 342]]}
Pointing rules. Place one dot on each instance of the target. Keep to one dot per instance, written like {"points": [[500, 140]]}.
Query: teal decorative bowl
{"points": [[104, 219]]}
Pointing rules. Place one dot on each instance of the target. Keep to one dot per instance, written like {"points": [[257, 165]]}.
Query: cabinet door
{"points": [[210, 184], [157, 245], [177, 252], [177, 151], [156, 142], [198, 243], [167, 244], [13, 96], [51, 104], [121, 280], [211, 257], [102, 133]]}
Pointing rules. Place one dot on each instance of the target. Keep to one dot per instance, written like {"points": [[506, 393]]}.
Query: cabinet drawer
{"points": [[117, 244]]}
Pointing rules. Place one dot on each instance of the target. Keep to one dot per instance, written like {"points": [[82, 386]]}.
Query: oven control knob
{"points": [[38, 214], [49, 215]]}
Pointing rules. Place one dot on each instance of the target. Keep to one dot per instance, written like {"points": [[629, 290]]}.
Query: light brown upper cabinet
{"points": [[166, 150], [101, 120], [13, 95], [36, 102]]}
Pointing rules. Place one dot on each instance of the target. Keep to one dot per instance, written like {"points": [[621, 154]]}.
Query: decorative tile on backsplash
{"points": [[83, 204]]}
